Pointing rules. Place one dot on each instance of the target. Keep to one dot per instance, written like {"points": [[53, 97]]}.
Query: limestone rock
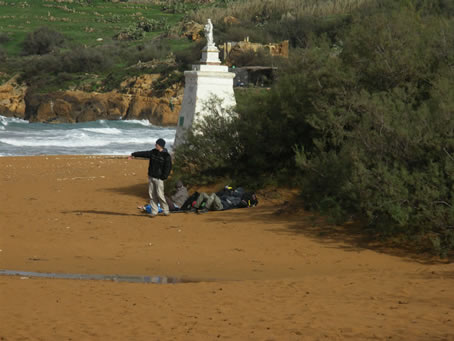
{"points": [[12, 99], [80, 106], [230, 50], [141, 107], [123, 36], [159, 111], [76, 106], [58, 111], [229, 20], [141, 85], [192, 30], [134, 100], [167, 111]]}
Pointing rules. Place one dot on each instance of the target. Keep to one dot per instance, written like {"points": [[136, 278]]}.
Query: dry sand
{"points": [[259, 275]]}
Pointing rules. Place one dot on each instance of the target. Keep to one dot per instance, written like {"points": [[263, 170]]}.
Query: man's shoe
{"points": [[153, 215], [167, 214]]}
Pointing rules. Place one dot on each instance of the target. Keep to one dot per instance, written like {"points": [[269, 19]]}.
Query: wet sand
{"points": [[256, 275]]}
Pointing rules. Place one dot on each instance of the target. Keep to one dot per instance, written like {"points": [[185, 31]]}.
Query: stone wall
{"points": [[275, 49]]}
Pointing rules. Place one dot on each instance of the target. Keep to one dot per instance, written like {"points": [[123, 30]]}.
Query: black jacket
{"points": [[160, 162]]}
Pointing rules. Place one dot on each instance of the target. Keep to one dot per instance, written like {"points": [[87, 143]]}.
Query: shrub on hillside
{"points": [[251, 58], [137, 31], [3, 55], [238, 32], [289, 105], [260, 12], [385, 61], [42, 41], [144, 52], [86, 60], [298, 30], [39, 68], [395, 168], [35, 66], [4, 37], [185, 58], [385, 152]]}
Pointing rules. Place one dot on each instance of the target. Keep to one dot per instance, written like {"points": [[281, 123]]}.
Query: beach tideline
{"points": [[256, 275]]}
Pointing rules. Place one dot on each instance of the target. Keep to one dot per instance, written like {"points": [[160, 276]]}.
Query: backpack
{"points": [[187, 205], [249, 199]]}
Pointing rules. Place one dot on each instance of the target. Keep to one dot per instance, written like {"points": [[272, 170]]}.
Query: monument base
{"points": [[207, 81]]}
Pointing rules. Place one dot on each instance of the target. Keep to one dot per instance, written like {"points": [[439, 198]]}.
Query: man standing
{"points": [[158, 171]]}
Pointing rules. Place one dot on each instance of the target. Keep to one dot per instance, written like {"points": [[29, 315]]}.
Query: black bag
{"points": [[249, 199], [187, 205]]}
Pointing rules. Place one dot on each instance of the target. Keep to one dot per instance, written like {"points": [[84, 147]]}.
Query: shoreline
{"points": [[272, 276]]}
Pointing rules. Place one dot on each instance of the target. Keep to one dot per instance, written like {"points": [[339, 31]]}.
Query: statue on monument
{"points": [[209, 33], [208, 79]]}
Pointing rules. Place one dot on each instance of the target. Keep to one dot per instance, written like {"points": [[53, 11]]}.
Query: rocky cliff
{"points": [[12, 99], [134, 100]]}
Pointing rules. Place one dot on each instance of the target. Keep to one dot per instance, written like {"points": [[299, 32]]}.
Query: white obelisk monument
{"points": [[205, 81]]}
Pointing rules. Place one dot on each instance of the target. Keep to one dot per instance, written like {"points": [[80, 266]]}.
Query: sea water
{"points": [[121, 137]]}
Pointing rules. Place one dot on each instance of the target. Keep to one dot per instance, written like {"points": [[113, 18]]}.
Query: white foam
{"points": [[107, 131], [141, 122], [54, 143], [77, 140], [6, 120]]}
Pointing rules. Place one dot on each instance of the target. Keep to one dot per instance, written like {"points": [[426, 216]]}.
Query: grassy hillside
{"points": [[65, 44], [82, 22]]}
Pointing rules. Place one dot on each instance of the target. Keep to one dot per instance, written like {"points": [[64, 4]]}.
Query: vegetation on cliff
{"points": [[362, 120]]}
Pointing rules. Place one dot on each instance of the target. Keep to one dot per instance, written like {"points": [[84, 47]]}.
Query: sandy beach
{"points": [[253, 274]]}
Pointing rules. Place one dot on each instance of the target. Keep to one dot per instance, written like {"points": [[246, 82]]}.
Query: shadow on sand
{"points": [[137, 190], [350, 237], [79, 212]]}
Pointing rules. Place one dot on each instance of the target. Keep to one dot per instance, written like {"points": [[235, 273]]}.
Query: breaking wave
{"points": [[18, 137]]}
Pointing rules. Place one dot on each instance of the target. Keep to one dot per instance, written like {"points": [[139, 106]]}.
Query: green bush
{"points": [[3, 55], [384, 152], [86, 60], [4, 38], [185, 58], [42, 41], [144, 52], [395, 168], [44, 69], [251, 58], [211, 147], [41, 66], [238, 32], [362, 119], [298, 30]]}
